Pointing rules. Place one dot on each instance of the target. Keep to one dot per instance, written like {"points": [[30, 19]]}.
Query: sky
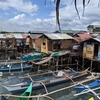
{"points": [[36, 15]]}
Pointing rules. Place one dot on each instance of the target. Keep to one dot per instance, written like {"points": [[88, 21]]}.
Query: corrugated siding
{"points": [[58, 36], [18, 36]]}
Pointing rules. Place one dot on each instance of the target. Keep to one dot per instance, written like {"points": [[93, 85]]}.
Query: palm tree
{"points": [[75, 4]]}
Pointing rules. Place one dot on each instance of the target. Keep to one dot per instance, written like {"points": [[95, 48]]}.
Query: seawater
{"points": [[67, 94]]}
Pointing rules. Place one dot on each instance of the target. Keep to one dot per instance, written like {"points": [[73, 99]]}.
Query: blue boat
{"points": [[51, 80], [15, 67], [92, 85], [32, 56]]}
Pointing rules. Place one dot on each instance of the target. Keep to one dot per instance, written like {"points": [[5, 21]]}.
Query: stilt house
{"points": [[52, 42]]}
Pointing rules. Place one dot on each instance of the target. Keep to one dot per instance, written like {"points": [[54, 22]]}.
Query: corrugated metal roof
{"points": [[79, 40], [9, 35], [85, 36], [4, 36], [97, 39], [25, 35], [18, 36], [58, 36], [35, 36]]}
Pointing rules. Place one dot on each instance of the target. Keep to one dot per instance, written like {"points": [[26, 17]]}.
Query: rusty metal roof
{"points": [[35, 36], [79, 40], [84, 36], [58, 36], [25, 35]]}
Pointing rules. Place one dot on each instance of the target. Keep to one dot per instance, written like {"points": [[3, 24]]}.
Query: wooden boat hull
{"points": [[48, 81], [92, 85]]}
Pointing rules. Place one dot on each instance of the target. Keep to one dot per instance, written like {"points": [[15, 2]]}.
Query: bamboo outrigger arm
{"points": [[39, 82]]}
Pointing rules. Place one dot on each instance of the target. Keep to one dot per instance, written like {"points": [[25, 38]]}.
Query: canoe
{"points": [[15, 67], [92, 85], [49, 80], [27, 93], [32, 56]]}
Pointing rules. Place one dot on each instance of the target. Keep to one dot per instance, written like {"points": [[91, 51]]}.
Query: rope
{"points": [[44, 86], [53, 73], [67, 75]]}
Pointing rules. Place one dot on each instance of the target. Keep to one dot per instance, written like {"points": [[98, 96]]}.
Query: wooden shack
{"points": [[91, 51], [7, 41], [91, 48], [20, 41], [35, 41], [52, 42], [34, 38]]}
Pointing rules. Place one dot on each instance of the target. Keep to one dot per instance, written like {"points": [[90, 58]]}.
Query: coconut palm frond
{"points": [[57, 13], [72, 2], [83, 6], [88, 2], [55, 1], [99, 3], [75, 3]]}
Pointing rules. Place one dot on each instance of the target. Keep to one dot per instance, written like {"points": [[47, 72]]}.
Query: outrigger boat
{"points": [[15, 67], [52, 79], [26, 93], [92, 85]]}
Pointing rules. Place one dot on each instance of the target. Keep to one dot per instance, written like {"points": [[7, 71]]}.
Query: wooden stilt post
{"points": [[91, 65], [61, 61], [98, 66], [83, 63]]}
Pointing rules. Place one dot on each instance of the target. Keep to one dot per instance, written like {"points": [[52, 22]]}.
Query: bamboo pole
{"points": [[39, 82]]}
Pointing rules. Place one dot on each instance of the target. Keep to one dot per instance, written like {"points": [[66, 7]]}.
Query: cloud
{"points": [[20, 5], [68, 17], [18, 17], [21, 22]]}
